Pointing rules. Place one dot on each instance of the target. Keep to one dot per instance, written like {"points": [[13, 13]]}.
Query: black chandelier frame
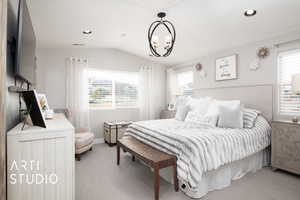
{"points": [[170, 28]]}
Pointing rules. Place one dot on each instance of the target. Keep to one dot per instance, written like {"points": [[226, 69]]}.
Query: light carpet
{"points": [[98, 177]]}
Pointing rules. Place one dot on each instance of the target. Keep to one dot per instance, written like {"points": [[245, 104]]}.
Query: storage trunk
{"points": [[112, 131]]}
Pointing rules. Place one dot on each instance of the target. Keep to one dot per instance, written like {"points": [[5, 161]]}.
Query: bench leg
{"points": [[175, 178], [118, 155], [133, 158], [156, 183]]}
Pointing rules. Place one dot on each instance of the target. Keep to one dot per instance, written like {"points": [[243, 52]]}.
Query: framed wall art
{"points": [[226, 68]]}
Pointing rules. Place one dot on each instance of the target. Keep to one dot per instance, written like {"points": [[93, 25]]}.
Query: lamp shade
{"points": [[296, 83]]}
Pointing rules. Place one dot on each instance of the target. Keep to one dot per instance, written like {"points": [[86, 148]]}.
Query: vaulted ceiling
{"points": [[202, 26]]}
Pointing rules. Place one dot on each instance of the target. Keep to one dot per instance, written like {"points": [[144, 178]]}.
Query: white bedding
{"points": [[223, 176], [200, 148]]}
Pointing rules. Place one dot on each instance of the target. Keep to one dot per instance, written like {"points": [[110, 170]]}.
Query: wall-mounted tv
{"points": [[26, 45]]}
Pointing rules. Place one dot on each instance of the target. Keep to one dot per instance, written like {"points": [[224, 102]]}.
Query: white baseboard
{"points": [[98, 140]]}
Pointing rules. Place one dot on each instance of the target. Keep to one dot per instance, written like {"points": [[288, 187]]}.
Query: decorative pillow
{"points": [[182, 108], [229, 104], [213, 108], [198, 118], [249, 117], [230, 116], [199, 105]]}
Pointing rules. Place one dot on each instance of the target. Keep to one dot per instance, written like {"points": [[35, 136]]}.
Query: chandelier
{"points": [[161, 36]]}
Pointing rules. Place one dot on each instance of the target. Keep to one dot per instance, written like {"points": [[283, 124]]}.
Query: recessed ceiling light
{"points": [[123, 35], [87, 32], [250, 13], [78, 44]]}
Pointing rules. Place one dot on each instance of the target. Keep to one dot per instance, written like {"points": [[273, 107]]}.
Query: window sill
{"points": [[119, 108]]}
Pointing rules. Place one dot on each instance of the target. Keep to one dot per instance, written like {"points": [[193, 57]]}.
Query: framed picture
{"points": [[34, 108], [171, 106], [226, 68]]}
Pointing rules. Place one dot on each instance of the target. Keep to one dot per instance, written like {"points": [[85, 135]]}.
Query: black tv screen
{"points": [[26, 45]]}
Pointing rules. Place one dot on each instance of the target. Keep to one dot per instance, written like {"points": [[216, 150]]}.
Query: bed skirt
{"points": [[222, 177]]}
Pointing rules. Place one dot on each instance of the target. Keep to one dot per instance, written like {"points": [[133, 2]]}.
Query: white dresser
{"points": [[40, 161]]}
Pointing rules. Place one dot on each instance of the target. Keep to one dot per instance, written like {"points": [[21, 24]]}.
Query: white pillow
{"points": [[182, 108], [229, 104], [213, 108], [231, 116], [199, 105], [198, 118]]}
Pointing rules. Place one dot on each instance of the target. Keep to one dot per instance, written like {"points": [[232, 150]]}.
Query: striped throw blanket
{"points": [[200, 148]]}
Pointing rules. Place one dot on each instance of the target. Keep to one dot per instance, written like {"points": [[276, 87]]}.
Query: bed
{"points": [[203, 150], [209, 158]]}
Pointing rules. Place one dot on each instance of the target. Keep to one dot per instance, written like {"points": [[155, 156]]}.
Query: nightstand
{"points": [[167, 114], [286, 146]]}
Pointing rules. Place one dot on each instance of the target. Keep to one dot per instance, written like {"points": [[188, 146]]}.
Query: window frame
{"points": [[114, 107], [185, 70], [281, 52]]}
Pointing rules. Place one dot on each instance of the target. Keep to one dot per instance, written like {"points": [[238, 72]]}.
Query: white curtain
{"points": [[146, 101], [171, 85], [77, 92]]}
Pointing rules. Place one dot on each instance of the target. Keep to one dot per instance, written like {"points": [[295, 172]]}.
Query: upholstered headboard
{"points": [[258, 97]]}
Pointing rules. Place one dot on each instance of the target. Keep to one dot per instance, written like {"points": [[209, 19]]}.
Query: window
{"points": [[185, 82], [108, 89], [288, 65]]}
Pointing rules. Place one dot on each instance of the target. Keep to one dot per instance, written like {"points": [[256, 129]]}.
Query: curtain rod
{"points": [[288, 42]]}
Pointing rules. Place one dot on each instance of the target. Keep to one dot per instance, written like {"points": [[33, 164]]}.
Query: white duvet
{"points": [[200, 148]]}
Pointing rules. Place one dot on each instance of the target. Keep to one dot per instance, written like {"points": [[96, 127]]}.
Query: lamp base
{"points": [[295, 119]]}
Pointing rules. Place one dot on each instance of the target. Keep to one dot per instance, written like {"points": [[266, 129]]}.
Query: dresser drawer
{"points": [[286, 146]]}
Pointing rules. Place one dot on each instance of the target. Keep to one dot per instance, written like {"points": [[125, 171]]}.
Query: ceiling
{"points": [[202, 26]]}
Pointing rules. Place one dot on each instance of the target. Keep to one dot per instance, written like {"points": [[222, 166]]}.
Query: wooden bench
{"points": [[151, 156]]}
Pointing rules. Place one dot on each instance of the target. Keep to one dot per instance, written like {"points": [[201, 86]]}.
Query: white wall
{"points": [[267, 74], [51, 79]]}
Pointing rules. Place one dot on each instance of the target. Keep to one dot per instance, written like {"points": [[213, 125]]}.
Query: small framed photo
{"points": [[171, 106], [226, 68], [34, 108]]}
